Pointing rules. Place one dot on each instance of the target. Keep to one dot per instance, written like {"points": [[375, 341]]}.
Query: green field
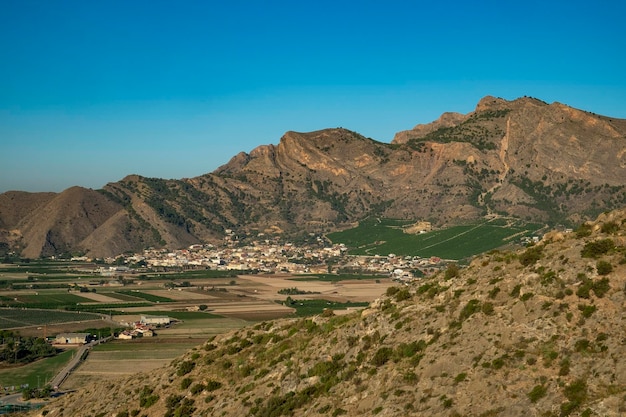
{"points": [[122, 350], [40, 371], [383, 237], [192, 274], [337, 277], [49, 300], [148, 297], [11, 318], [305, 308], [121, 297]]}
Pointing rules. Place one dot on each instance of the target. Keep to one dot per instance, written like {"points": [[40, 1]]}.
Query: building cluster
{"points": [[145, 327], [271, 257]]}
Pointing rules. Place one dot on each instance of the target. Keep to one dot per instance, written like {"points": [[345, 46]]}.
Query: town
{"points": [[269, 256]]}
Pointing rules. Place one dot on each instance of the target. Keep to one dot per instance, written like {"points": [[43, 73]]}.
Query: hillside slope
{"points": [[524, 158], [535, 332]]}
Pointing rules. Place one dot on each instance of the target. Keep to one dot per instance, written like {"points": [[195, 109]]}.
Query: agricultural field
{"points": [[228, 302], [15, 318], [384, 236], [146, 296], [125, 357], [35, 373], [338, 277]]}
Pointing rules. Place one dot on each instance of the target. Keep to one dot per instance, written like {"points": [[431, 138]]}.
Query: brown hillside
{"points": [[524, 158], [62, 223], [537, 332]]}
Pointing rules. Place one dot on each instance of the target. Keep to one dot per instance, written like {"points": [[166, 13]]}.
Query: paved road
{"points": [[81, 354], [56, 382]]}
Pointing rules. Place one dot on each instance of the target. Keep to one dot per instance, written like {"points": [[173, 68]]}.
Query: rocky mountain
{"points": [[524, 158], [537, 332]]}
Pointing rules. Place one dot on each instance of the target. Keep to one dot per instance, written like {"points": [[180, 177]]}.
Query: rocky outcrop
{"points": [[524, 158]]}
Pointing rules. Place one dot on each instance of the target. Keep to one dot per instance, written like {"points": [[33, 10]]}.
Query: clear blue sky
{"points": [[93, 91]]}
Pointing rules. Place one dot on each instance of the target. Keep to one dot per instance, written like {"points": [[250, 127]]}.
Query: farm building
{"points": [[155, 320], [72, 338]]}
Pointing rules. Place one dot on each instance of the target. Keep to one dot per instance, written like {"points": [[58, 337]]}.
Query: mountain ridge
{"points": [[524, 158]]}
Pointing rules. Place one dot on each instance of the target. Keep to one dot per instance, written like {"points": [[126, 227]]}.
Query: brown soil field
{"points": [[252, 298], [180, 295], [267, 286], [41, 331], [100, 298]]}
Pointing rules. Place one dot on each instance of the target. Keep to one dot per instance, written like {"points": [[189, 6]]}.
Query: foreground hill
{"points": [[523, 158], [535, 332]]}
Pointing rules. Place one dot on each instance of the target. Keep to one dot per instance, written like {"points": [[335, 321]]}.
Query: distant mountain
{"points": [[524, 158], [538, 332]]}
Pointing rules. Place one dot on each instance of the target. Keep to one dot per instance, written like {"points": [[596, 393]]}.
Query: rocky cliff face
{"points": [[524, 158], [535, 332]]}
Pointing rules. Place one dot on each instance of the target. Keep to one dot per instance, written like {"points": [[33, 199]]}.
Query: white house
{"points": [[156, 320]]}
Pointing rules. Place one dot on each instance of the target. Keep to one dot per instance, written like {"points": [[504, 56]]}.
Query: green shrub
{"points": [[516, 290], [382, 356], [470, 308], [147, 398], [213, 385], [531, 255], [583, 230], [604, 267], [185, 383], [582, 345], [487, 308], [537, 393], [403, 294], [185, 367], [452, 271], [597, 248], [391, 291], [576, 393], [407, 350], [601, 287], [587, 310], [492, 293], [609, 228], [564, 367], [197, 389]]}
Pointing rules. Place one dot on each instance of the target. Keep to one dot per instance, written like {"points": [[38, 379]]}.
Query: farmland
{"points": [[228, 301], [34, 373], [385, 236], [14, 318]]}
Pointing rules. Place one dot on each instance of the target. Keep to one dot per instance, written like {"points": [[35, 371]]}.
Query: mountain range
{"points": [[524, 158]]}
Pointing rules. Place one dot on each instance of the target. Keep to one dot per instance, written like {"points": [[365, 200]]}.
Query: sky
{"points": [[93, 91]]}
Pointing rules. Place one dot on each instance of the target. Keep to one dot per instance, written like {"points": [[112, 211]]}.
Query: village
{"points": [[268, 257]]}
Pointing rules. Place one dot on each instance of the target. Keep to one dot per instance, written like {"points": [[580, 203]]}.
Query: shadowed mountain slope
{"points": [[524, 158]]}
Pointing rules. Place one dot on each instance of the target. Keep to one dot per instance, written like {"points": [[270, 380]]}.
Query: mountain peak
{"points": [[497, 159]]}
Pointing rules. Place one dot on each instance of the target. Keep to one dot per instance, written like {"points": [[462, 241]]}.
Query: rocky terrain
{"points": [[536, 332], [525, 158]]}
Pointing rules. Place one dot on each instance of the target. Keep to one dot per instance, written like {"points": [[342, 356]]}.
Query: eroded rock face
{"points": [[524, 158]]}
